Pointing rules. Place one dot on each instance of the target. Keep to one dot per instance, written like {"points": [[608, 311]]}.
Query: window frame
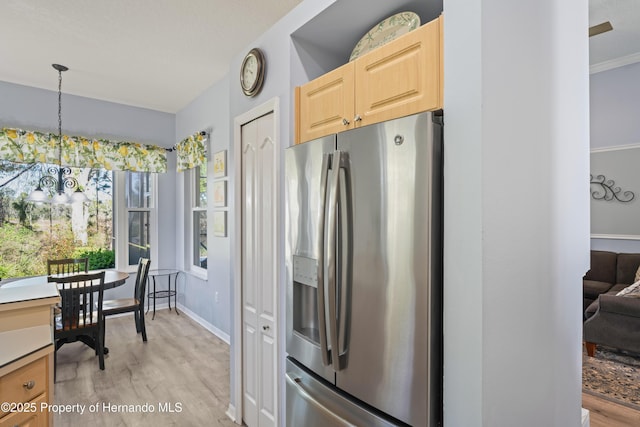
{"points": [[121, 220], [193, 182]]}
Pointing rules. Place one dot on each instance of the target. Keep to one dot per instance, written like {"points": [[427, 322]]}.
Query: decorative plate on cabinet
{"points": [[385, 31]]}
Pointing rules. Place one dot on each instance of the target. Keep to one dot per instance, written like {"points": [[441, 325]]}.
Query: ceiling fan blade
{"points": [[600, 28]]}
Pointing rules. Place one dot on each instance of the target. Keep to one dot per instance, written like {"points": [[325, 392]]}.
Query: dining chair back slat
{"points": [[81, 310], [135, 304], [67, 266]]}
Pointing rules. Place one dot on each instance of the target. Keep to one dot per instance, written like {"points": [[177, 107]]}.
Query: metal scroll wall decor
{"points": [[605, 189]]}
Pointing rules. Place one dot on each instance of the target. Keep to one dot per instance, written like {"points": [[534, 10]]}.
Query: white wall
{"points": [[615, 108], [516, 211], [210, 111]]}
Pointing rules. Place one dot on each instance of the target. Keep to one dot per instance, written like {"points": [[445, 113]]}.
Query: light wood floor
{"points": [[182, 367], [604, 413], [182, 363]]}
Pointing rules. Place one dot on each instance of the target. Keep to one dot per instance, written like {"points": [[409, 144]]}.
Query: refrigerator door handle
{"points": [[334, 189], [322, 322], [344, 289]]}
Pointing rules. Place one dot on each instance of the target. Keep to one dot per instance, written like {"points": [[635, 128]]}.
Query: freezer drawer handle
{"points": [[306, 395]]}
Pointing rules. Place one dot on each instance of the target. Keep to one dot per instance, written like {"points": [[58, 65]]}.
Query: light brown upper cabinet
{"points": [[400, 78]]}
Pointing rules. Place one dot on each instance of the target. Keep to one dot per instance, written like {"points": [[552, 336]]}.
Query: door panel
{"points": [[259, 258], [303, 165], [387, 358], [400, 78], [250, 354], [326, 104]]}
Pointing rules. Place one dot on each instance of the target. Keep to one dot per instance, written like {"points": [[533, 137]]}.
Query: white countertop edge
{"points": [[20, 342], [26, 293]]}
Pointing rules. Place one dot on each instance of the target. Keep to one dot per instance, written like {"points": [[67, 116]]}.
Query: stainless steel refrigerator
{"points": [[364, 275]]}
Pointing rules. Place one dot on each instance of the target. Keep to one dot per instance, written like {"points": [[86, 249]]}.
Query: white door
{"points": [[259, 257]]}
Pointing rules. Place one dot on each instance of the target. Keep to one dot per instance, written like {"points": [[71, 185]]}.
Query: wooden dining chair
{"points": [[67, 266], [80, 317], [135, 304]]}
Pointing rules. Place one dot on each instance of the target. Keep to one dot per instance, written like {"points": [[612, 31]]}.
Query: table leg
{"points": [[154, 298], [175, 294], [148, 294], [169, 290]]}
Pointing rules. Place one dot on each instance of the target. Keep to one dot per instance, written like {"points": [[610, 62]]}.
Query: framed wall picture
{"points": [[220, 164], [220, 223], [220, 193]]}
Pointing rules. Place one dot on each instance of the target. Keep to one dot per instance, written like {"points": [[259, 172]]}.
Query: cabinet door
{"points": [[400, 78], [325, 105]]}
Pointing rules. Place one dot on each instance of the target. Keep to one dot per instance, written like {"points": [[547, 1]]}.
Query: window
{"points": [[136, 229], [199, 216], [34, 232], [116, 227]]}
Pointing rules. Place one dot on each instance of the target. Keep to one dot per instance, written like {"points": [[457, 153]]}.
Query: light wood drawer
{"points": [[27, 419], [25, 383]]}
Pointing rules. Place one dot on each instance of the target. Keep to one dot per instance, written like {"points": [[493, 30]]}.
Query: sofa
{"points": [[611, 320], [610, 273]]}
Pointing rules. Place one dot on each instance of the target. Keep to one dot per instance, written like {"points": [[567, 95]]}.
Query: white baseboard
{"points": [[585, 418], [231, 413], [208, 326]]}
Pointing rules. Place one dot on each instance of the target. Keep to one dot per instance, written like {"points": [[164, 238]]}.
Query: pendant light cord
{"points": [[60, 117]]}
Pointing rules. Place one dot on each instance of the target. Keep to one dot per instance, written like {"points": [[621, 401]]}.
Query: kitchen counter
{"points": [[25, 320]]}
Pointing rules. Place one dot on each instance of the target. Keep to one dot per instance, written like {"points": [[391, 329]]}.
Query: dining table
{"points": [[112, 279]]}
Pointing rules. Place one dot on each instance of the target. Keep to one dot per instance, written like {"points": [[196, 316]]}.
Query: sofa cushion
{"points": [[617, 288], [603, 267], [627, 266], [593, 288]]}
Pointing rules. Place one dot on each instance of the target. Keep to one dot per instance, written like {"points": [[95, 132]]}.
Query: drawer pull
{"points": [[29, 384]]}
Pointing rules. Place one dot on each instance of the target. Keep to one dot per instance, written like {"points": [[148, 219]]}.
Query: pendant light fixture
{"points": [[59, 178]]}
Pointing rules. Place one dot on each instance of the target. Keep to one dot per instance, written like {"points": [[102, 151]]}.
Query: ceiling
{"points": [[156, 54], [620, 46], [161, 54]]}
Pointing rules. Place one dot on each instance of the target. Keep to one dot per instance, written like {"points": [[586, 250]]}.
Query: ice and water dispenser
{"points": [[305, 299]]}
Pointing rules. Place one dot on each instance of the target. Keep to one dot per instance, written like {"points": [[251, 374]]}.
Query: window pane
{"points": [[31, 233], [200, 238], [201, 186], [139, 239], [138, 190]]}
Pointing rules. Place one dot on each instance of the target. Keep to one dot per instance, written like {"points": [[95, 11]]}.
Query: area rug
{"points": [[613, 375]]}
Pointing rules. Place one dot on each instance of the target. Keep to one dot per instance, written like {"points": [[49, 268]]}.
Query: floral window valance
{"points": [[22, 146], [192, 151]]}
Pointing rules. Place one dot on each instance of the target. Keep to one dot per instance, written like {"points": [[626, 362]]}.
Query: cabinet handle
{"points": [[265, 328], [357, 118], [29, 384], [345, 121]]}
